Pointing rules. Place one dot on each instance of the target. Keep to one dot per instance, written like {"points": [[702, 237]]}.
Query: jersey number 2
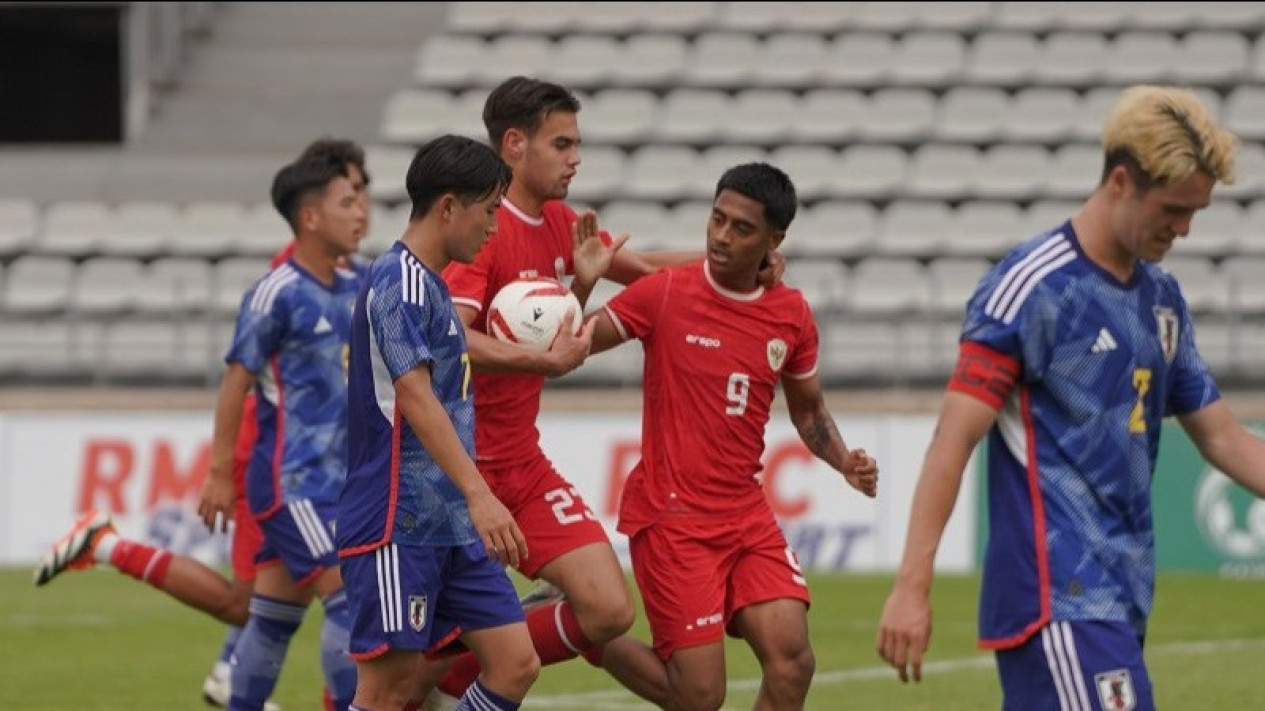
{"points": [[1141, 383]]}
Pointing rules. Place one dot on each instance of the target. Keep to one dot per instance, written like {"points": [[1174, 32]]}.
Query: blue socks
{"points": [[479, 698], [340, 670], [261, 650]]}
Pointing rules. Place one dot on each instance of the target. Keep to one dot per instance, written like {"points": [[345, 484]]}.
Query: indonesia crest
{"points": [[1167, 327], [417, 612], [776, 352], [1115, 690]]}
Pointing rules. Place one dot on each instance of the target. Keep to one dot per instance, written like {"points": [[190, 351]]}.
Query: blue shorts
{"points": [[421, 598], [301, 535], [1084, 665]]}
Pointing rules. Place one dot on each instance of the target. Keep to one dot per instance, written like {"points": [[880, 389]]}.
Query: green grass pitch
{"points": [[98, 640]]}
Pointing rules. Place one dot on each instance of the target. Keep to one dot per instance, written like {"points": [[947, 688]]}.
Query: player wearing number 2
{"points": [[1075, 346], [708, 554]]}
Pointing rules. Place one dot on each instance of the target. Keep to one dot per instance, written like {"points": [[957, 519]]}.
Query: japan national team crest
{"points": [[1115, 690], [1167, 327], [776, 352], [417, 612]]}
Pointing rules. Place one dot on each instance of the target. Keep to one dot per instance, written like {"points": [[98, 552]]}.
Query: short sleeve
{"points": [[802, 362], [399, 324], [260, 327], [468, 283], [1019, 324], [1191, 385], [636, 309]]}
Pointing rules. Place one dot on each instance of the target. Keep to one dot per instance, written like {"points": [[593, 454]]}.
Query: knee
{"points": [[605, 619], [698, 698], [516, 675], [792, 673]]}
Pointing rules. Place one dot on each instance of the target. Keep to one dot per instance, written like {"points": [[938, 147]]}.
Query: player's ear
{"points": [[514, 144], [777, 239]]}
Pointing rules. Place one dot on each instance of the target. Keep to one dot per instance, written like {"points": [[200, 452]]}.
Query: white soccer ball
{"points": [[529, 312]]}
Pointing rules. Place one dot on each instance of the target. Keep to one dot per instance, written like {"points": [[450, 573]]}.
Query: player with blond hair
{"points": [[1075, 347]]}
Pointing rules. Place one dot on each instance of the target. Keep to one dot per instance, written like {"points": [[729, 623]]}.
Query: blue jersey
{"points": [[1097, 364], [395, 491], [293, 333]]}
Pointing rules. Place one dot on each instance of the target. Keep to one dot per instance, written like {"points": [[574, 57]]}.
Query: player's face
{"points": [[361, 186], [1154, 219], [551, 157], [341, 217], [738, 239], [472, 225]]}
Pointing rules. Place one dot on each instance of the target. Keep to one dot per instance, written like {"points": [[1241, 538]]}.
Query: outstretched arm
{"points": [[489, 355], [817, 429]]}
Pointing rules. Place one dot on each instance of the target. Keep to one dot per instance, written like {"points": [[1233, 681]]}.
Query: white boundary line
{"points": [[621, 700]]}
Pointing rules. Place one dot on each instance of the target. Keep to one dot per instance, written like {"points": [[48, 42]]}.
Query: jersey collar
{"points": [[730, 293], [533, 221]]}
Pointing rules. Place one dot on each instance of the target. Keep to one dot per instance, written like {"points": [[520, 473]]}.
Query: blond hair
{"points": [[1163, 134]]}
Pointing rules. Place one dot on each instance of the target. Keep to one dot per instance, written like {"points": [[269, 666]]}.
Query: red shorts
{"points": [[552, 515], [247, 537], [695, 574]]}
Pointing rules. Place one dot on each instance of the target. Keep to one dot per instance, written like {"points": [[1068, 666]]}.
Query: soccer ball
{"points": [[529, 312]]}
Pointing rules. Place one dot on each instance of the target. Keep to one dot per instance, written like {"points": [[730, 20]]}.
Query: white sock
{"points": [[105, 547]]}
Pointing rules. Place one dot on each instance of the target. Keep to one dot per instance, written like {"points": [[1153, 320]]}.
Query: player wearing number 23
{"points": [[707, 553]]}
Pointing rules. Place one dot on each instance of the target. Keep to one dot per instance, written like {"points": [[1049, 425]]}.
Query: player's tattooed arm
{"points": [[817, 429], [821, 435]]}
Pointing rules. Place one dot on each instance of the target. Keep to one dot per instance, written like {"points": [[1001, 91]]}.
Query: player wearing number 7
{"points": [[707, 553], [1075, 346]]}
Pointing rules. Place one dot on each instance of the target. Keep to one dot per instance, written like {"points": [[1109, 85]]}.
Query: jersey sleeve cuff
{"points": [[466, 301]]}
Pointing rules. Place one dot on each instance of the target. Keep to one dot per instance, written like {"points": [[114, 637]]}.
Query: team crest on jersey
{"points": [[1167, 327], [417, 612], [776, 351], [1115, 690]]}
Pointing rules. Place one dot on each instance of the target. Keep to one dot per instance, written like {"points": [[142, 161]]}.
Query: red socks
{"points": [[145, 563]]}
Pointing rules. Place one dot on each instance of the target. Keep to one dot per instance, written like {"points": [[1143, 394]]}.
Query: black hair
{"points": [[454, 164], [300, 181], [768, 186], [340, 150]]}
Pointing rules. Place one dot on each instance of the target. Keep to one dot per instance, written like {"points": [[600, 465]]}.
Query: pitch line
{"points": [[621, 700]]}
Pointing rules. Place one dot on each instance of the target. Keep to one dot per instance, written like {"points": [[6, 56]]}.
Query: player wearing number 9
{"points": [[1075, 346], [707, 553]]}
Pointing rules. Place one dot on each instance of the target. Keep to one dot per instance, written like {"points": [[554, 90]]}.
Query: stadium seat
{"points": [[418, 115], [1249, 170], [38, 285], [824, 283], [686, 225], [838, 229], [1230, 16], [828, 116], [652, 59], [175, 286], [1041, 115], [264, 231], [929, 59], [1160, 15], [450, 60], [620, 116], [790, 59], [510, 55], [388, 165], [1141, 58], [601, 173], [871, 171], [486, 18], [231, 278], [1074, 170], [1214, 57], [140, 348], [1201, 282], [714, 161], [1247, 289], [19, 225], [1215, 231], [1011, 171], [937, 171], [37, 348], [982, 228], [694, 115], [386, 225], [209, 228], [882, 286], [1043, 16], [664, 172], [1251, 237], [1245, 112], [912, 228], [1044, 215], [1096, 105], [876, 353], [107, 285], [761, 116], [74, 228], [953, 281], [901, 114], [757, 17], [645, 222], [1075, 58], [859, 59], [1002, 58], [961, 17], [722, 59], [584, 60], [972, 113], [141, 228], [813, 169]]}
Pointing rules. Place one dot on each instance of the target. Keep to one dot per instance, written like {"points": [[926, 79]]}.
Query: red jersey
{"points": [[713, 361], [506, 405]]}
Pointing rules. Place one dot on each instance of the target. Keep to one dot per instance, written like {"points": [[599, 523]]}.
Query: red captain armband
{"points": [[985, 374]]}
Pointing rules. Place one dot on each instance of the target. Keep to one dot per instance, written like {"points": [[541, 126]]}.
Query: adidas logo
{"points": [[1106, 342], [323, 326]]}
